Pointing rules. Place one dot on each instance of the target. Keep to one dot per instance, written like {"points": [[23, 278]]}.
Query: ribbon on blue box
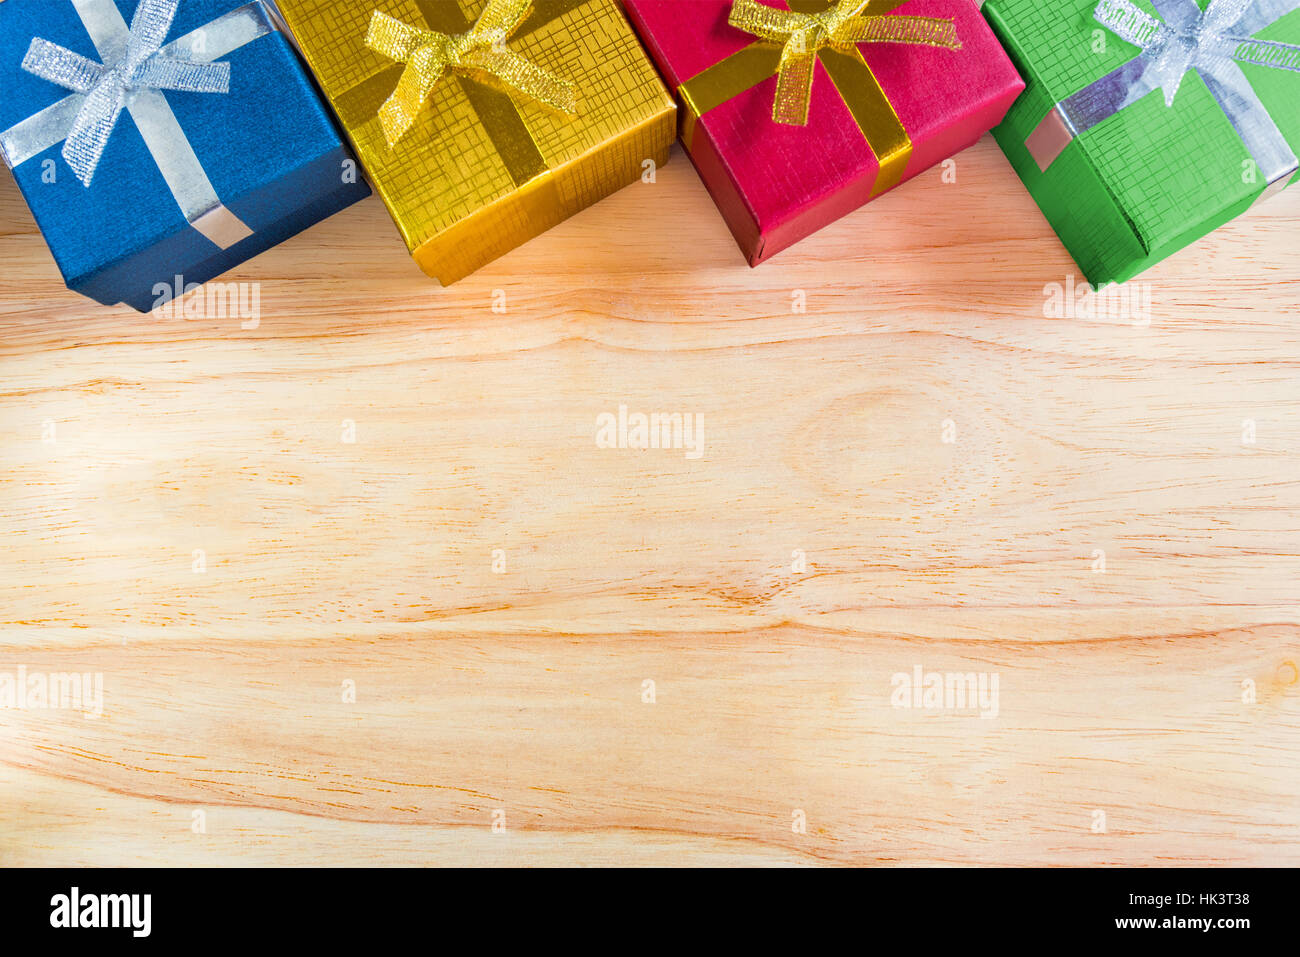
{"points": [[136, 67], [1213, 42]]}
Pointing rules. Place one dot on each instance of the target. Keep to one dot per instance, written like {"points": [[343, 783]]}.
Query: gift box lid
{"points": [[777, 183], [268, 147], [478, 151], [1169, 172]]}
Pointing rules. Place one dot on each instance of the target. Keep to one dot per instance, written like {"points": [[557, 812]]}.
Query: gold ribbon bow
{"points": [[840, 27], [430, 55]]}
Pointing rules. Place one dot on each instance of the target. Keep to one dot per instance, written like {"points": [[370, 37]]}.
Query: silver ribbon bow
{"points": [[1212, 42], [136, 67]]}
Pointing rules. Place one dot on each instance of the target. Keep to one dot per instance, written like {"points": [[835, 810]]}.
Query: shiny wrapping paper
{"points": [[269, 148], [874, 120], [483, 169], [1141, 176]]}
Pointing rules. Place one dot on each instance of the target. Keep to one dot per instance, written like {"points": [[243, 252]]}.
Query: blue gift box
{"points": [[190, 181]]}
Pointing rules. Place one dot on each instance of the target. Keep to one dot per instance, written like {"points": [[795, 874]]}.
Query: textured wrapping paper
{"points": [[484, 168], [775, 183], [1147, 169], [271, 155]]}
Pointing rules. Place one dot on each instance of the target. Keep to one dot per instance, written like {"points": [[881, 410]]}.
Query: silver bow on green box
{"points": [[1213, 42], [136, 67]]}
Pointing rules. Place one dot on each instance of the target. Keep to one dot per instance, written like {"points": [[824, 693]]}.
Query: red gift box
{"points": [[878, 112]]}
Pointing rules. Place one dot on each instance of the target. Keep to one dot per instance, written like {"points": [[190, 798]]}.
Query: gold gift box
{"points": [[485, 169]]}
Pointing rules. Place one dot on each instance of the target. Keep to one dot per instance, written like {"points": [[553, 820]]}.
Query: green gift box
{"points": [[1146, 124]]}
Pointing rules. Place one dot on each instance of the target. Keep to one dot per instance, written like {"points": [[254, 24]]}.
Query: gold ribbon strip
{"points": [[829, 31], [429, 55]]}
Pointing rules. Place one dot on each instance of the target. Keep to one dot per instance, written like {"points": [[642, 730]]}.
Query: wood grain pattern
{"points": [[1173, 447]]}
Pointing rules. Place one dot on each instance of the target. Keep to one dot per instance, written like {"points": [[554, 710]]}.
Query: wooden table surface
{"points": [[363, 587]]}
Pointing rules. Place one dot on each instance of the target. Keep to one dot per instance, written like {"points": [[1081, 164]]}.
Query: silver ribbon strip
{"points": [[1213, 42], [136, 66]]}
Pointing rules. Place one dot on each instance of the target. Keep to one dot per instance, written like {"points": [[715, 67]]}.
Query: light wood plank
{"points": [[824, 431]]}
